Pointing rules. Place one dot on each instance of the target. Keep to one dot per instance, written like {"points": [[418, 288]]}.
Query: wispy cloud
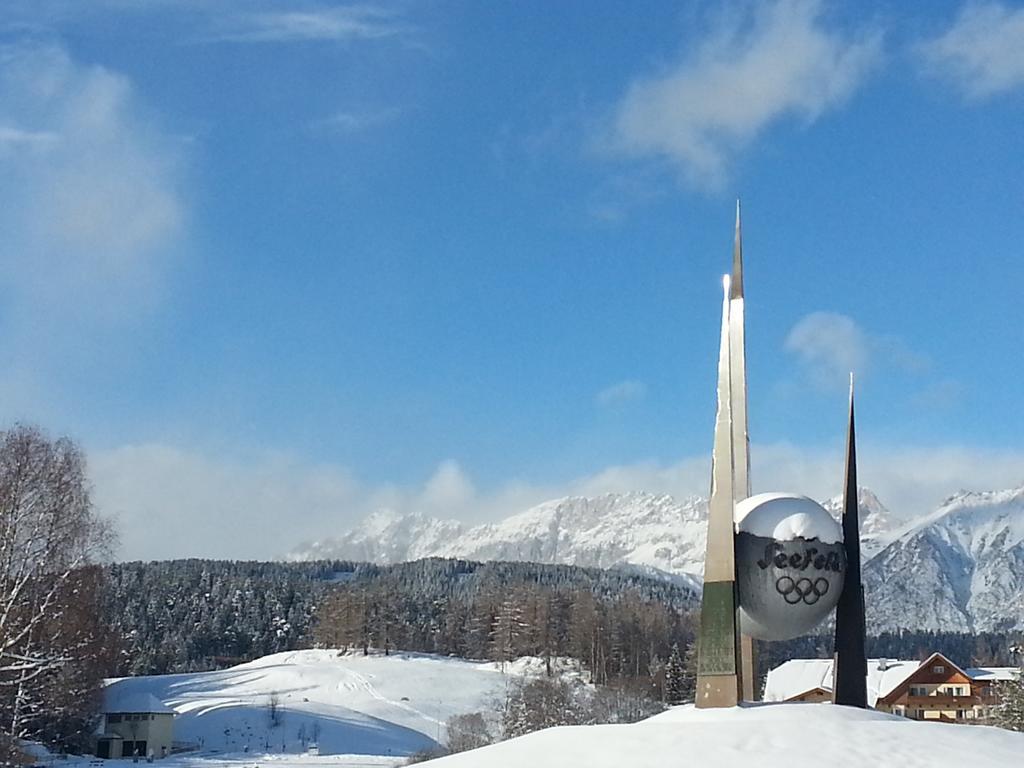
{"points": [[13, 139], [982, 52], [940, 395], [355, 121], [621, 393], [751, 69], [91, 209], [337, 24], [830, 346]]}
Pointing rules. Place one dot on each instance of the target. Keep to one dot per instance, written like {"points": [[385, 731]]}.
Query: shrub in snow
{"points": [[467, 732], [541, 703], [425, 755]]}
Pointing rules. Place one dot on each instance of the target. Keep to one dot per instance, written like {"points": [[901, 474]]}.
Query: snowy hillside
{"points": [[348, 704], [960, 568], [777, 734]]}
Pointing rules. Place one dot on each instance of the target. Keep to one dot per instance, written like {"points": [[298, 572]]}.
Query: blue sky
{"points": [[276, 265]]}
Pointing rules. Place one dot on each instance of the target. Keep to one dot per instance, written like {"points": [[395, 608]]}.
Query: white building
{"points": [[135, 725]]}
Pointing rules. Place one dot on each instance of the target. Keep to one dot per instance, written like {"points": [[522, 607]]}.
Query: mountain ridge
{"points": [[958, 568]]}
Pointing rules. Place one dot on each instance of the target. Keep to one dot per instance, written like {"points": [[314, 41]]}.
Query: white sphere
{"points": [[790, 564]]}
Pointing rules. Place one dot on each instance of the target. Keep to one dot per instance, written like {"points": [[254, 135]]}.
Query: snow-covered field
{"points": [[359, 710], [374, 711], [765, 734]]}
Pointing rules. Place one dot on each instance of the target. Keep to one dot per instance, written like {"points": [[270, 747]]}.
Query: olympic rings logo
{"points": [[793, 591]]}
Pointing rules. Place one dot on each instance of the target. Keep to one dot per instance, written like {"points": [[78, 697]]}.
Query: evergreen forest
{"points": [[191, 615]]}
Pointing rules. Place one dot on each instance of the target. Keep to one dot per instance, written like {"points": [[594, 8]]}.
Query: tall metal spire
{"points": [[718, 667], [740, 434], [850, 663], [738, 370], [737, 258]]}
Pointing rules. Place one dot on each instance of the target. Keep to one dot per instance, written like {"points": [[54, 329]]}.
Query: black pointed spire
{"points": [[850, 663]]}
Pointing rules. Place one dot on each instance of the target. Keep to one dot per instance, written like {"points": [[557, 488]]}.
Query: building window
{"points": [[113, 718], [938, 669]]}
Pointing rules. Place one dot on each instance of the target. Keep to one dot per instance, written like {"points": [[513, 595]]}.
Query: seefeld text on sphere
{"points": [[790, 564]]}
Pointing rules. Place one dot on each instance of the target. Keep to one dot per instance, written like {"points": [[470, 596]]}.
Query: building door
{"points": [[103, 748], [141, 747]]}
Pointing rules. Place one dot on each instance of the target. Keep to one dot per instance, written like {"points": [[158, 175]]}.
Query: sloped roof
{"points": [[799, 676], [985, 674], [115, 703]]}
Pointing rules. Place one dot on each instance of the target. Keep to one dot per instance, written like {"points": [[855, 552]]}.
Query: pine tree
{"points": [[674, 677], [690, 672], [1009, 713]]}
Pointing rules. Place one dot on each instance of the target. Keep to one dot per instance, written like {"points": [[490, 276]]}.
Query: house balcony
{"points": [[941, 701]]}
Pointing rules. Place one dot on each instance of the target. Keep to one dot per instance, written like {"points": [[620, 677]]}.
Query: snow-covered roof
{"points": [[985, 674], [799, 676], [120, 703]]}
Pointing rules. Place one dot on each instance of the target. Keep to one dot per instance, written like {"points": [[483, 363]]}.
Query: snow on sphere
{"points": [[790, 564]]}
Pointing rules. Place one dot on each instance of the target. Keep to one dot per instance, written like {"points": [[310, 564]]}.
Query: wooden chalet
{"points": [[933, 689]]}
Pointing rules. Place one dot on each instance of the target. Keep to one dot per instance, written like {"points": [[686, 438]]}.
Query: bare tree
{"points": [[274, 709], [49, 534]]}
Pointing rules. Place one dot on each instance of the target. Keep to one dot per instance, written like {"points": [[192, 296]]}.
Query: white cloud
{"points": [[337, 24], [752, 69], [171, 502], [449, 488], [89, 197], [91, 215], [982, 53], [621, 393], [830, 346]]}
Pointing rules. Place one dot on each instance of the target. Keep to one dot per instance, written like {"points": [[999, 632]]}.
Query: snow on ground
{"points": [[765, 734], [200, 760], [349, 704]]}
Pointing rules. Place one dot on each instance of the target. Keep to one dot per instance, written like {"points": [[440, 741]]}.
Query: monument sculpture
{"points": [[777, 563]]}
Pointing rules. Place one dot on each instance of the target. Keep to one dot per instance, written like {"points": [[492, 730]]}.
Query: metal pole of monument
{"points": [[740, 433], [850, 664], [718, 663]]}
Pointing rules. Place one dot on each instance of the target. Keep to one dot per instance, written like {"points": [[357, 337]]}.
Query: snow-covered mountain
{"points": [[960, 568], [875, 520], [386, 537], [614, 530]]}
